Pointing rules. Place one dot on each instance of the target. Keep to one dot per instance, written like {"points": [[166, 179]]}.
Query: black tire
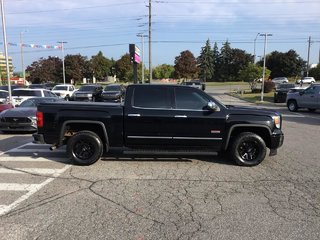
{"points": [[248, 149], [84, 148], [292, 106], [67, 98], [311, 109]]}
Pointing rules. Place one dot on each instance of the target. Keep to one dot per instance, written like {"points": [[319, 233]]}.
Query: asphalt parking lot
{"points": [[43, 196]]}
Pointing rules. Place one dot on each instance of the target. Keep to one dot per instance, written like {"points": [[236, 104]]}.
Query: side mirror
{"points": [[212, 106]]}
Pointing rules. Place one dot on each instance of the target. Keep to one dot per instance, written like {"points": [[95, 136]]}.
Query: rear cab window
{"points": [[152, 97], [26, 93]]}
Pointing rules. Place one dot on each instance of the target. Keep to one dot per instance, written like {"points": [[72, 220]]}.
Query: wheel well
{"points": [[73, 128], [260, 131]]}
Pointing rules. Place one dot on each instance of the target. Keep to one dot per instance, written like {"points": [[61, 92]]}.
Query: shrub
{"points": [[268, 86]]}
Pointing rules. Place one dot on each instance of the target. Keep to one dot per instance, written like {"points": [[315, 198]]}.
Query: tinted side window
{"points": [[189, 99], [46, 94], [151, 97]]}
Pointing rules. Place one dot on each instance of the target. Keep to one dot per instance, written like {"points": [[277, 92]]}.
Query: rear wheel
{"points": [[292, 106], [85, 148], [248, 149]]}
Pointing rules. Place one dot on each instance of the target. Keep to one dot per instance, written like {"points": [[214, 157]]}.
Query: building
{"points": [[3, 67]]}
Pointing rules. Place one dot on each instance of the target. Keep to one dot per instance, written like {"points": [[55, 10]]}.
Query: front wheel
{"points": [[292, 106], [248, 149], [85, 148]]}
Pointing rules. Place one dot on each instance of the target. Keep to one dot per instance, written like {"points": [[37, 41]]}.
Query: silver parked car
{"points": [[308, 98], [280, 80]]}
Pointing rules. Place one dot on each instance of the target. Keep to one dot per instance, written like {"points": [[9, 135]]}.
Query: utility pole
{"points": [[63, 68], [150, 48], [264, 62], [22, 60], [142, 55], [254, 48], [6, 49], [309, 46]]}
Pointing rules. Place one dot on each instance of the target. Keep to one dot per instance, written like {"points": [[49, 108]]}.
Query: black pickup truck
{"points": [[156, 119]]}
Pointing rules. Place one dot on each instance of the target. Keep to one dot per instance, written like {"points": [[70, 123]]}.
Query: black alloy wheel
{"points": [[248, 149], [85, 148]]}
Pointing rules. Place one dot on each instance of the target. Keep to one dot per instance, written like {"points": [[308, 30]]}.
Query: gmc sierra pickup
{"points": [[157, 119]]}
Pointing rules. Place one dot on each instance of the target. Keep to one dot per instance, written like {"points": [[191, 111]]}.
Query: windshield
{"points": [[60, 88], [87, 88], [112, 88], [26, 93], [3, 94]]}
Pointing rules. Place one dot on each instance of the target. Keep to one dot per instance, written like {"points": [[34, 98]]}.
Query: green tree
{"points": [[185, 65], [231, 62], [124, 68], [288, 64], [315, 72], [77, 67], [216, 60], [206, 62], [163, 71], [101, 66], [45, 70], [251, 73]]}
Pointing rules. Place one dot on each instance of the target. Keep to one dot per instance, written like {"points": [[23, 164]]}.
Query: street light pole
{"points": [[22, 60], [264, 62], [254, 48], [6, 49], [150, 49], [63, 68]]}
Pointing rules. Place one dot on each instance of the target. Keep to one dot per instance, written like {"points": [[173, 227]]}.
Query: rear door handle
{"points": [[180, 116], [134, 115]]}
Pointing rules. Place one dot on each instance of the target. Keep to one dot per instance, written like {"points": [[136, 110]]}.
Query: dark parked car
{"points": [[282, 89], [113, 92], [90, 93], [23, 118]]}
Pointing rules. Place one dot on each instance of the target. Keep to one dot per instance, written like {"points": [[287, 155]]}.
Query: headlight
{"points": [[89, 94], [277, 121]]}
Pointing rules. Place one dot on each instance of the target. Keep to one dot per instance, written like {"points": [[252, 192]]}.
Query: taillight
{"points": [[39, 119]]}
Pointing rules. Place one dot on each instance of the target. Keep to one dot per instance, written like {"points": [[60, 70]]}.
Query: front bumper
{"points": [[38, 138], [15, 127], [276, 140]]}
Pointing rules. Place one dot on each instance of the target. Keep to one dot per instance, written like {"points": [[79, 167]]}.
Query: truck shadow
{"points": [[165, 158]]}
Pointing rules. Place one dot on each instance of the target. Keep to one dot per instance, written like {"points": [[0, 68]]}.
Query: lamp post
{"points": [[142, 55], [254, 48], [22, 60], [6, 49], [150, 39], [63, 69], [264, 61]]}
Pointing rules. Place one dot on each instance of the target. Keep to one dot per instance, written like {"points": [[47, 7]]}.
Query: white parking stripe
{"points": [[24, 159], [7, 208], [18, 187], [23, 150], [40, 171]]}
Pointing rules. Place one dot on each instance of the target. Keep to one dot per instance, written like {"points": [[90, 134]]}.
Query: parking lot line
{"points": [[7, 208], [40, 171], [24, 159], [18, 187]]}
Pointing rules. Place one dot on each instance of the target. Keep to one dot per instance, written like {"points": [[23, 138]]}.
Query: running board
{"points": [[169, 152]]}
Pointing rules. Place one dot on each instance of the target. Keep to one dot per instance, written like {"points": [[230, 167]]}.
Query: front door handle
{"points": [[134, 115], [180, 116]]}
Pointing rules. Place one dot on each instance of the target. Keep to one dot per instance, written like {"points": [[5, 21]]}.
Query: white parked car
{"points": [[64, 91], [280, 80], [21, 94], [306, 80]]}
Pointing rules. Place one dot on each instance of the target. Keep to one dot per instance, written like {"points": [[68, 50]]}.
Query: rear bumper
{"points": [[38, 138]]}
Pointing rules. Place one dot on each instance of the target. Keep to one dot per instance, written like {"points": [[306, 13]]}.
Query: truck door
{"points": [[309, 97], [192, 123], [147, 116]]}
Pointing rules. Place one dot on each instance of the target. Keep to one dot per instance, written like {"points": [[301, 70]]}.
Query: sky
{"points": [[177, 25]]}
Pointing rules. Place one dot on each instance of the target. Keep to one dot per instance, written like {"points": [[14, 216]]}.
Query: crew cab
{"points": [[156, 119]]}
